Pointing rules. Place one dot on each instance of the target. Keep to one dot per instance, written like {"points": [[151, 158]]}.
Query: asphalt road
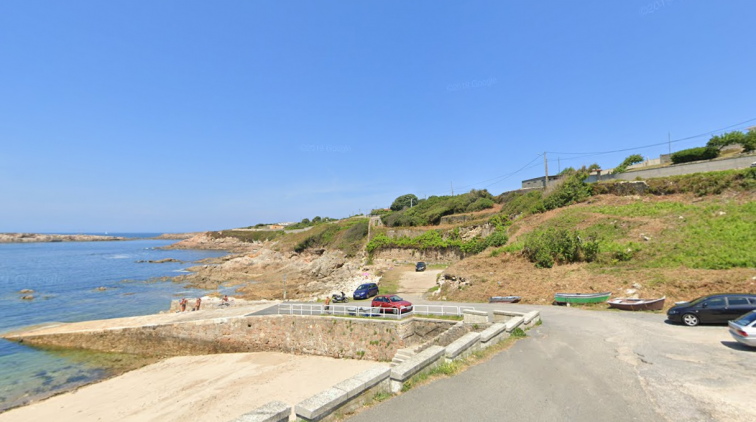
{"points": [[593, 366]]}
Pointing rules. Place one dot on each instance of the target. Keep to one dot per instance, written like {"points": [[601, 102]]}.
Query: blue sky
{"points": [[196, 115]]}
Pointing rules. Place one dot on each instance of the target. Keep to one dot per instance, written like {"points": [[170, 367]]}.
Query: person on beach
{"points": [[224, 301], [199, 302], [183, 304]]}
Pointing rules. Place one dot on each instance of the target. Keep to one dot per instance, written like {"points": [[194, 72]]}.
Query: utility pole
{"points": [[411, 202], [546, 167]]}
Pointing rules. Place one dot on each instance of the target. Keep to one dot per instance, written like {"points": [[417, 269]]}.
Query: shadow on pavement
{"points": [[734, 345]]}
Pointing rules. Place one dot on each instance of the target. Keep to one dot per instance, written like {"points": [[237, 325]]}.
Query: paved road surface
{"points": [[594, 366]]}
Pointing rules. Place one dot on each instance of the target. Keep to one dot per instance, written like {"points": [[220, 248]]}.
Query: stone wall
{"points": [[323, 336], [415, 255]]}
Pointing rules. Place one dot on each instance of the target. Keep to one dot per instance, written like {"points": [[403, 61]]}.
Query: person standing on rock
{"points": [[182, 304], [197, 305]]}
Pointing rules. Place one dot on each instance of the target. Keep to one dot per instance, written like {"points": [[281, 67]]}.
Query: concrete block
{"points": [[514, 323], [321, 404], [491, 332], [274, 411], [373, 376], [504, 316], [471, 316], [531, 317], [466, 343], [417, 363], [352, 386]]}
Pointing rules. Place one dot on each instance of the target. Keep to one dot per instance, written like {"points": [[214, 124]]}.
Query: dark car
{"points": [[392, 303], [420, 266], [712, 309], [365, 291]]}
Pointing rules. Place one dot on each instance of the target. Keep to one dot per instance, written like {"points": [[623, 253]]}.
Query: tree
{"points": [[593, 167], [317, 219], [629, 161], [567, 171], [404, 201], [306, 222]]}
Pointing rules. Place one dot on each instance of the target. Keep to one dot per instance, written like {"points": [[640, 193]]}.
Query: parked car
{"points": [[753, 164], [365, 291], [743, 329], [420, 266], [712, 309], [392, 303]]}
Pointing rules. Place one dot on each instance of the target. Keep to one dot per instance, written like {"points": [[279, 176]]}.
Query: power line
{"points": [[653, 145]]}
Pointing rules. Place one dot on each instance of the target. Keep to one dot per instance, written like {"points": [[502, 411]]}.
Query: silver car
{"points": [[743, 329]]}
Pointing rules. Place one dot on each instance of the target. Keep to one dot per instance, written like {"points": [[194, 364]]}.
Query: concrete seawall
{"points": [[314, 335]]}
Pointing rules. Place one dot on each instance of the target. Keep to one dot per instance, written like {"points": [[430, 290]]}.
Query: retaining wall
{"points": [[323, 336]]}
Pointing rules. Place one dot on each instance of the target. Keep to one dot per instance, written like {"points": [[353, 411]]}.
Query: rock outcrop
{"points": [[32, 237]]}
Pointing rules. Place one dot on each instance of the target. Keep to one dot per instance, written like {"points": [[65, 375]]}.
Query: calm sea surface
{"points": [[65, 277]]}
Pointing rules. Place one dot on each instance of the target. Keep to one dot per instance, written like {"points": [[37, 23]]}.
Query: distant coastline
{"points": [[47, 237], [35, 237]]}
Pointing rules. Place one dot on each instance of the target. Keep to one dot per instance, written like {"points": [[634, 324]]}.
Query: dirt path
{"points": [[197, 388], [417, 283]]}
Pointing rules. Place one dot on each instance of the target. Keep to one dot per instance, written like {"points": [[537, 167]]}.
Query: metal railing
{"points": [[370, 311]]}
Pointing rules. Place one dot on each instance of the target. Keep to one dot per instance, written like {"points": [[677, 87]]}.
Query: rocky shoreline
{"points": [[35, 237], [259, 268]]}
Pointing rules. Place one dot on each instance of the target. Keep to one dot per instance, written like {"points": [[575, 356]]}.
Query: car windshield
{"points": [[363, 287], [697, 301], [746, 319], [395, 299]]}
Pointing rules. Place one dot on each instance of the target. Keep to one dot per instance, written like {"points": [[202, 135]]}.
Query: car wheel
{"points": [[690, 320]]}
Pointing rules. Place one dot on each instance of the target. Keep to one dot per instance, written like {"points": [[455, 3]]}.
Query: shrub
{"points": [[694, 154], [629, 161], [480, 204], [548, 247], [404, 201]]}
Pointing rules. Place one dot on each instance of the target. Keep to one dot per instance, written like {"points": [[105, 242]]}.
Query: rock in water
{"points": [[27, 297], [25, 291]]}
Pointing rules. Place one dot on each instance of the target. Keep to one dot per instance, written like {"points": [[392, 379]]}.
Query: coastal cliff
{"points": [[33, 237]]}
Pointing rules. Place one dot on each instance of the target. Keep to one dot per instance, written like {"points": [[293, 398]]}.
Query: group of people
{"points": [[184, 302]]}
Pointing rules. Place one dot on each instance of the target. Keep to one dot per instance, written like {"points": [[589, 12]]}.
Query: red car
{"points": [[391, 303]]}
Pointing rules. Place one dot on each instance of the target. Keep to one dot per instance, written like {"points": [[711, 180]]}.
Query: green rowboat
{"points": [[582, 297]]}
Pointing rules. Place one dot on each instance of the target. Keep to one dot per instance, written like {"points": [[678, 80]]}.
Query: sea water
{"points": [[66, 278]]}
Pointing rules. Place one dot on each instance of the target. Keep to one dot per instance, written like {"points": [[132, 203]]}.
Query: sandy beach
{"points": [[204, 388]]}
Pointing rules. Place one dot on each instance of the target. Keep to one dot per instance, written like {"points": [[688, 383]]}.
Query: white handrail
{"points": [[404, 311]]}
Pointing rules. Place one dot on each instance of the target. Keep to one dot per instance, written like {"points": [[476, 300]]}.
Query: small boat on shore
{"points": [[561, 298], [627, 304], [504, 299]]}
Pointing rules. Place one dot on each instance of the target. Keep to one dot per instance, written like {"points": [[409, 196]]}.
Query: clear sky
{"points": [[198, 115]]}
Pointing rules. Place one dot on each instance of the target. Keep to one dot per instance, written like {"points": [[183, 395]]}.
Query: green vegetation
{"points": [[746, 140], [306, 222], [429, 211], [694, 154], [518, 333], [572, 191], [247, 236], [629, 161], [707, 236], [700, 184], [404, 201], [436, 240], [550, 246], [347, 236]]}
